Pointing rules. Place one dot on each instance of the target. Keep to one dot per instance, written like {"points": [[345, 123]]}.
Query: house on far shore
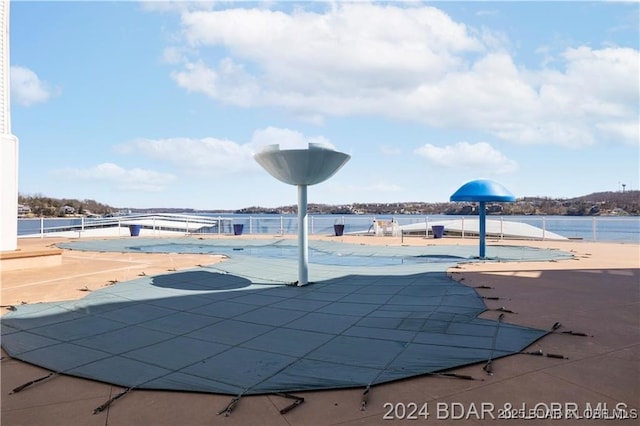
{"points": [[67, 210], [23, 210]]}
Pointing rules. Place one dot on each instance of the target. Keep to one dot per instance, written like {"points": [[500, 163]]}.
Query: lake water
{"points": [[614, 229]]}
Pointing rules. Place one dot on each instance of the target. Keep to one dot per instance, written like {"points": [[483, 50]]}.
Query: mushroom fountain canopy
{"points": [[483, 190], [301, 166]]}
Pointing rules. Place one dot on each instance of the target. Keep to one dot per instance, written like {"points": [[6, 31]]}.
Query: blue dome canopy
{"points": [[483, 190]]}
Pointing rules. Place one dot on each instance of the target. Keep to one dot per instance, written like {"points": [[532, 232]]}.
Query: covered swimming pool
{"points": [[237, 327], [320, 252]]}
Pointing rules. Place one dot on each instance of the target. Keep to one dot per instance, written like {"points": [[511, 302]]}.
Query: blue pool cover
{"points": [[236, 328]]}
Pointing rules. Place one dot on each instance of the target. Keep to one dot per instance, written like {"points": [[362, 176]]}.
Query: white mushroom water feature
{"points": [[302, 167]]}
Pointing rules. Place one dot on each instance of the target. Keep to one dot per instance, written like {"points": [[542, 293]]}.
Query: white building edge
{"points": [[8, 145]]}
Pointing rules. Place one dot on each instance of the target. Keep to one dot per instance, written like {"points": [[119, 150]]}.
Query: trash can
{"points": [[338, 229], [134, 230], [237, 228], [438, 231]]}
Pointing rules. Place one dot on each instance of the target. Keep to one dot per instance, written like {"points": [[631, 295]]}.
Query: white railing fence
{"points": [[585, 228]]}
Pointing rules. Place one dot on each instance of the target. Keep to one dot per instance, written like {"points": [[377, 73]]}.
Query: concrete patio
{"points": [[596, 293]]}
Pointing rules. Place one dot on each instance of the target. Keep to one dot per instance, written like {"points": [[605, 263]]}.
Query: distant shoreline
{"points": [[615, 204], [233, 212]]}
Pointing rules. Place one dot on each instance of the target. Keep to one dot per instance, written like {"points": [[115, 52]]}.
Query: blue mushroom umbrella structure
{"points": [[481, 191]]}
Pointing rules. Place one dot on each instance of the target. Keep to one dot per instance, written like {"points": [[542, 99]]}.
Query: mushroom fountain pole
{"points": [[302, 167], [303, 236], [482, 228]]}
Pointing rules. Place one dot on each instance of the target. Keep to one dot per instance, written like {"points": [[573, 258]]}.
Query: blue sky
{"points": [[162, 104]]}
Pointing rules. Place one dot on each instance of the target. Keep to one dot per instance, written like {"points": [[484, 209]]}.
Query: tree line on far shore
{"points": [[621, 203], [42, 206]]}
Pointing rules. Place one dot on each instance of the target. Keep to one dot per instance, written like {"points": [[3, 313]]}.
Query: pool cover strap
{"points": [[106, 405], [488, 367], [32, 382]]}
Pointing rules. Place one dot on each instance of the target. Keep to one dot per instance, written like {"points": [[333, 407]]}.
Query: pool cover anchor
{"points": [[230, 407], [554, 327], [557, 325], [365, 398], [297, 401], [575, 333], [540, 353]]}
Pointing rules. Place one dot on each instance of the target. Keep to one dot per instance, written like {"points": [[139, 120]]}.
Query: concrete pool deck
{"points": [[596, 292]]}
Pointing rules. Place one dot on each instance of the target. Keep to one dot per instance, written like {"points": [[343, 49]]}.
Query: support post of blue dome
{"points": [[483, 228]]}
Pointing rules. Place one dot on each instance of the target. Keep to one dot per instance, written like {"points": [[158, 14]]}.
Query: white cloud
{"points": [[208, 156], [286, 138], [176, 5], [135, 179], [626, 131], [411, 62], [595, 98], [173, 55], [389, 150], [217, 157], [26, 87], [228, 82], [316, 61], [463, 155]]}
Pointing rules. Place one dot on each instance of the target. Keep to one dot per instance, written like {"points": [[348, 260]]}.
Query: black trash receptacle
{"points": [[438, 231], [237, 228], [134, 230], [338, 229]]}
